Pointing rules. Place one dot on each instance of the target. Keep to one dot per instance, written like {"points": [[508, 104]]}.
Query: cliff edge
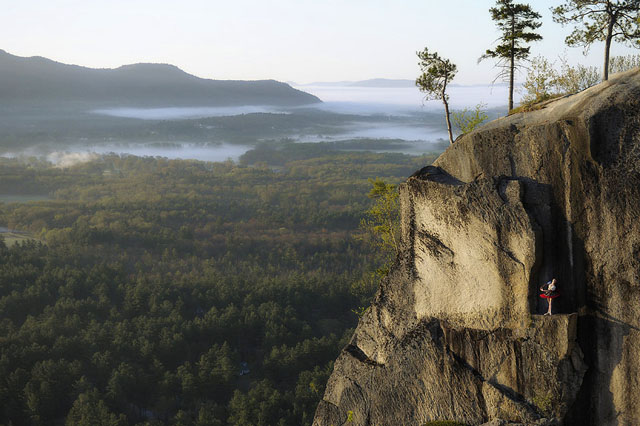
{"points": [[456, 330]]}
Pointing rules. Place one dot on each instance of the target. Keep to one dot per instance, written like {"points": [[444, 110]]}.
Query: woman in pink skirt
{"points": [[549, 292]]}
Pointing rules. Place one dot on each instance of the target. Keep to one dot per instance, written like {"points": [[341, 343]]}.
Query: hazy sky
{"points": [[287, 40]]}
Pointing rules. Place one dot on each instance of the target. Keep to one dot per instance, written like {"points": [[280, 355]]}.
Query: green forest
{"points": [[177, 292]]}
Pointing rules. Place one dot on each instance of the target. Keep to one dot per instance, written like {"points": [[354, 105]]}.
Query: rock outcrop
{"points": [[455, 331]]}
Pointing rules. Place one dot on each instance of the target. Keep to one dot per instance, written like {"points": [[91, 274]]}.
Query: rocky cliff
{"points": [[455, 331]]}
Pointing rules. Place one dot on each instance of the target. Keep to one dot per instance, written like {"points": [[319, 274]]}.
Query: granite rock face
{"points": [[455, 331]]}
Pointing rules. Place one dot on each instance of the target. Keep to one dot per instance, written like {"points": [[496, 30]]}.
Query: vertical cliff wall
{"points": [[456, 332]]}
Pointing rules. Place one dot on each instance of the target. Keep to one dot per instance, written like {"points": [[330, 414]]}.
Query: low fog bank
{"points": [[364, 101], [74, 155], [69, 159], [178, 113], [190, 151], [402, 100], [380, 131]]}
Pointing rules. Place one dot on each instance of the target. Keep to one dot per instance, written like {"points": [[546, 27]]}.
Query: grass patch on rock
{"points": [[535, 104]]}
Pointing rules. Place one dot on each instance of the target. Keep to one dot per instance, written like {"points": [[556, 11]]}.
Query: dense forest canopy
{"points": [[159, 291]]}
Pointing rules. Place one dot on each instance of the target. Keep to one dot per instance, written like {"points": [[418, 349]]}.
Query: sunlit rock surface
{"points": [[456, 332]]}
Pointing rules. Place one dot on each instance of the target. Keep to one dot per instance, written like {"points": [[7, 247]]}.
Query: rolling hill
{"points": [[38, 80]]}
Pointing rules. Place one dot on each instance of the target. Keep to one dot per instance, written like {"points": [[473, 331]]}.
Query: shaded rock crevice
{"points": [[358, 354]]}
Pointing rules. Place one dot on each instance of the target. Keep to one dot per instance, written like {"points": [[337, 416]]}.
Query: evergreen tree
{"points": [[600, 20], [382, 220], [516, 23], [90, 410], [437, 73]]}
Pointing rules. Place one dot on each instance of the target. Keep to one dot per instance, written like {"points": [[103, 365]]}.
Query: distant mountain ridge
{"points": [[41, 80]]}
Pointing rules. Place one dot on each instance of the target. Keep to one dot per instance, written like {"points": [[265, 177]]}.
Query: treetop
{"points": [[516, 22], [596, 18], [437, 72]]}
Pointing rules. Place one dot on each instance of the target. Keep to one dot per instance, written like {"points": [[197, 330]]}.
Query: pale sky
{"points": [[288, 40]]}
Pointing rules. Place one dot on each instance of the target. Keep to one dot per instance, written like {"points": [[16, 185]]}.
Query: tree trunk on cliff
{"points": [[512, 64], [446, 114], [437, 72], [607, 47], [445, 101], [516, 22], [600, 20]]}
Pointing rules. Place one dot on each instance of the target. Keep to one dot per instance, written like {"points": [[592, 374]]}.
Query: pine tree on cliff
{"points": [[516, 23], [600, 20], [437, 73]]}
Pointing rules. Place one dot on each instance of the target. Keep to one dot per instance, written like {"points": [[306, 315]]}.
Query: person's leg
{"points": [[550, 301]]}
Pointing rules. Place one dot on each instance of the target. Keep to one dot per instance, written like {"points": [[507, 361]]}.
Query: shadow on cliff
{"points": [[561, 254], [599, 333]]}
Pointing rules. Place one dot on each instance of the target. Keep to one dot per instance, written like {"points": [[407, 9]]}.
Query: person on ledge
{"points": [[549, 292]]}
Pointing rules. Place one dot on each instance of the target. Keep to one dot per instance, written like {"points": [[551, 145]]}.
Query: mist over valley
{"points": [[52, 110]]}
